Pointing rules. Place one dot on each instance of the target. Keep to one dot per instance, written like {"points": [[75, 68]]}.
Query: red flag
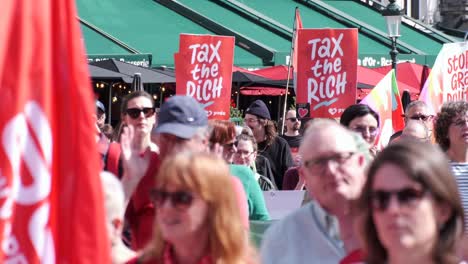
{"points": [[51, 203]]}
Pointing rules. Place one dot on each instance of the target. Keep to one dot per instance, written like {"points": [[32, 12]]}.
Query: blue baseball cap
{"points": [[100, 106], [181, 116]]}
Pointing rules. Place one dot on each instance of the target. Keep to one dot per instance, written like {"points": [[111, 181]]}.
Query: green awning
{"points": [[236, 22], [144, 25], [374, 18], [97, 44], [150, 27], [283, 12]]}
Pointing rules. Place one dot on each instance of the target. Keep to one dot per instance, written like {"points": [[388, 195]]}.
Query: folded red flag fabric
{"points": [[51, 202]]}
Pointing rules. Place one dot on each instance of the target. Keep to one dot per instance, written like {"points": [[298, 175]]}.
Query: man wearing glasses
{"points": [[292, 135], [333, 168], [418, 110]]}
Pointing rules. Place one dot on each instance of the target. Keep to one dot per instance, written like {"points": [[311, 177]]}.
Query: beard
{"points": [[296, 127]]}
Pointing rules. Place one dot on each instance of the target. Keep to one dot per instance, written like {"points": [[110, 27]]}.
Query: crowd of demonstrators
{"points": [[177, 173], [223, 140], [333, 171], [292, 134], [246, 155], [197, 216], [362, 119], [270, 145], [411, 207]]}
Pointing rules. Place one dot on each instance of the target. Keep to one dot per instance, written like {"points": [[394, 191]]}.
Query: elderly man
{"points": [[333, 168], [270, 145], [418, 110], [415, 130]]}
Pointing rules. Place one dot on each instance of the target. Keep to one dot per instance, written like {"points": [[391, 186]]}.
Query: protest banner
{"points": [[51, 202], [448, 80], [204, 71], [327, 69]]}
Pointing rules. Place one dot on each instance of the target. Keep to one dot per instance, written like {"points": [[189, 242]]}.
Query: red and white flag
{"points": [[51, 202]]}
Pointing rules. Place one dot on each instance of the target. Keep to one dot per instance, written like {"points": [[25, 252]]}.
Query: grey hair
{"points": [[414, 104]]}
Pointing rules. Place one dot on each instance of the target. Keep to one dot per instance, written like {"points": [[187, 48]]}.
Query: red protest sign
{"points": [[326, 75], [204, 71]]}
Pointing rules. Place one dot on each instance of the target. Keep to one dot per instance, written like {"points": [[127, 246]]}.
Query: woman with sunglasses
{"points": [[362, 119], [197, 216], [139, 162], [411, 207], [223, 140]]}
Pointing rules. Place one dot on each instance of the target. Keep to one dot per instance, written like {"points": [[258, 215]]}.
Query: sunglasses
{"points": [[406, 196], [292, 119], [135, 112], [179, 199], [422, 117]]}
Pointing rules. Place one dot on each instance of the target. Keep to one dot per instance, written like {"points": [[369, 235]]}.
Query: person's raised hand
{"points": [[134, 163]]}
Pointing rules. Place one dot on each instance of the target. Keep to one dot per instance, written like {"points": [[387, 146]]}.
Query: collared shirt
{"points": [[308, 235]]}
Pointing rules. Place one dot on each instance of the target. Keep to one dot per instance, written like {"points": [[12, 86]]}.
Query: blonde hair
{"points": [[228, 239]]}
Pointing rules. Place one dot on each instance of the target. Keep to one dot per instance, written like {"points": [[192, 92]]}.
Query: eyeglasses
{"points": [[244, 153], [460, 123], [407, 196], [363, 129], [179, 199], [422, 117], [292, 119], [319, 163], [135, 112], [250, 120]]}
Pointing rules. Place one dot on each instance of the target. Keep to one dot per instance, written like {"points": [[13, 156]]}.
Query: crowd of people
{"points": [[186, 188]]}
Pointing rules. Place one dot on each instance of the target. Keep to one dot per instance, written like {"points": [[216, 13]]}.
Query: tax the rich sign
{"points": [[326, 74], [204, 71]]}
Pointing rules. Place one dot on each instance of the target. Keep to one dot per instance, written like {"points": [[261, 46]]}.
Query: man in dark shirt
{"points": [[292, 135], [270, 145]]}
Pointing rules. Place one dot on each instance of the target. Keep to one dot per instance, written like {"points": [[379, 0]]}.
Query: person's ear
{"points": [[443, 213]]}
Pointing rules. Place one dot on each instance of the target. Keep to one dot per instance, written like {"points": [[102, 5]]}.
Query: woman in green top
{"points": [[223, 141]]}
